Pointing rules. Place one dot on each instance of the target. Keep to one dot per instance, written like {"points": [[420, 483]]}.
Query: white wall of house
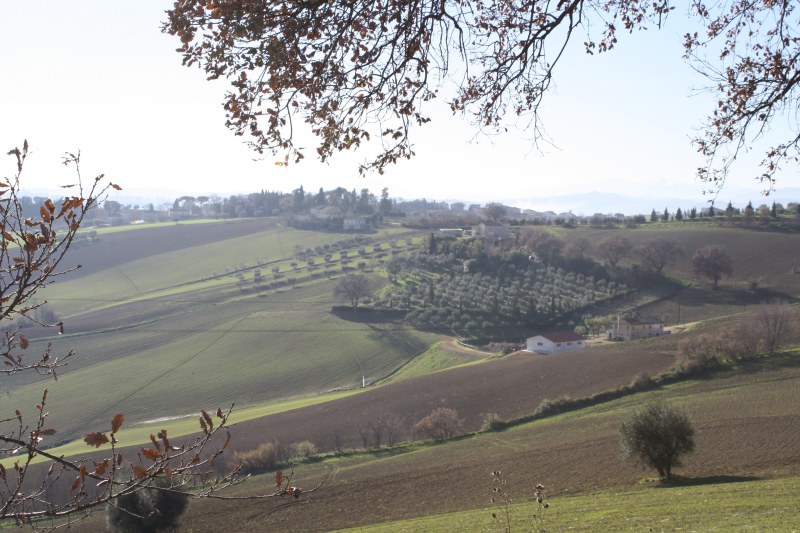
{"points": [[543, 345], [635, 329]]}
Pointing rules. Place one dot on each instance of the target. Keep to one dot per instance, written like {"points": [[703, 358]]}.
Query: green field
{"points": [[160, 336]]}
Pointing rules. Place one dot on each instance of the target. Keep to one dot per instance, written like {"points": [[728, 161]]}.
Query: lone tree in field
{"points": [[613, 249], [352, 288], [358, 72], [658, 253], [65, 489], [713, 262], [657, 436]]}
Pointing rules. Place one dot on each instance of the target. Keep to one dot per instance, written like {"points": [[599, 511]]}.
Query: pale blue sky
{"points": [[100, 77]]}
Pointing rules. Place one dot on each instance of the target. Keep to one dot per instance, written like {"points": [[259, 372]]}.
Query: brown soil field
{"points": [[757, 254], [511, 387], [748, 427]]}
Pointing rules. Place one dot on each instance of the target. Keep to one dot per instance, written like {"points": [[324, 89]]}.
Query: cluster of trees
{"points": [[767, 330], [748, 215], [271, 203]]}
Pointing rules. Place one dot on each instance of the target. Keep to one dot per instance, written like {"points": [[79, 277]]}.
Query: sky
{"points": [[100, 77]]}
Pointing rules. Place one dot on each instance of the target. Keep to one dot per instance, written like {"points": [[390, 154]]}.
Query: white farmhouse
{"points": [[630, 328], [548, 343]]}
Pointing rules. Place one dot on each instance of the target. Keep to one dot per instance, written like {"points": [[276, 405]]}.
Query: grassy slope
{"points": [[203, 349], [189, 346]]}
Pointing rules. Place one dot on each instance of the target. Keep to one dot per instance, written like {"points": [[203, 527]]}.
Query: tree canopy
{"points": [[356, 71], [657, 435], [713, 262]]}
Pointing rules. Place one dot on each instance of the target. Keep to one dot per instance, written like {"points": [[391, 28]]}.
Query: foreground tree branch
{"points": [[361, 70], [65, 489]]}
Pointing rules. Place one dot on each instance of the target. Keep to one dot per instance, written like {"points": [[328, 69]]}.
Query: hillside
{"points": [[245, 319], [747, 424], [570, 454], [163, 335]]}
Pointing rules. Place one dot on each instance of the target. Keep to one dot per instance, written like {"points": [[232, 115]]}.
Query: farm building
{"points": [[548, 343], [491, 233], [354, 223], [451, 232], [637, 328]]}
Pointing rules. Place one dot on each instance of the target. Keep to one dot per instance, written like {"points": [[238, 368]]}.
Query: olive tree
{"points": [[657, 436]]}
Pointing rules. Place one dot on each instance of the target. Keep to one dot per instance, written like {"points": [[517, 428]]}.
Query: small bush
{"points": [[147, 510], [262, 459], [492, 422], [552, 406], [303, 450], [641, 381]]}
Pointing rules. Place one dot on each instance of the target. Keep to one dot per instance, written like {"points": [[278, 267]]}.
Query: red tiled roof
{"points": [[562, 336]]}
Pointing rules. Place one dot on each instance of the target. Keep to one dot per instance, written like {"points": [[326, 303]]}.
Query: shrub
{"points": [[703, 352], [148, 510], [261, 459], [552, 406], [641, 381], [492, 422], [440, 425], [657, 436], [303, 450]]}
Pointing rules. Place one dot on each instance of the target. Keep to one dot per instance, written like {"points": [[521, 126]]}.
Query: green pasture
{"points": [[198, 267], [246, 352], [434, 359], [757, 505]]}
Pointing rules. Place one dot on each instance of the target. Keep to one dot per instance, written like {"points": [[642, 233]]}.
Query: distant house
{"points": [[451, 232], [354, 223], [491, 233], [548, 343], [640, 327]]}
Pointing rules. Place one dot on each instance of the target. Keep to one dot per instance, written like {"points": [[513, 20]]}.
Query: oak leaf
{"points": [[116, 422], [95, 439], [151, 453]]}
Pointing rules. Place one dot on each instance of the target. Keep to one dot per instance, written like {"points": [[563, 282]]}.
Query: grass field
{"points": [[155, 338]]}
